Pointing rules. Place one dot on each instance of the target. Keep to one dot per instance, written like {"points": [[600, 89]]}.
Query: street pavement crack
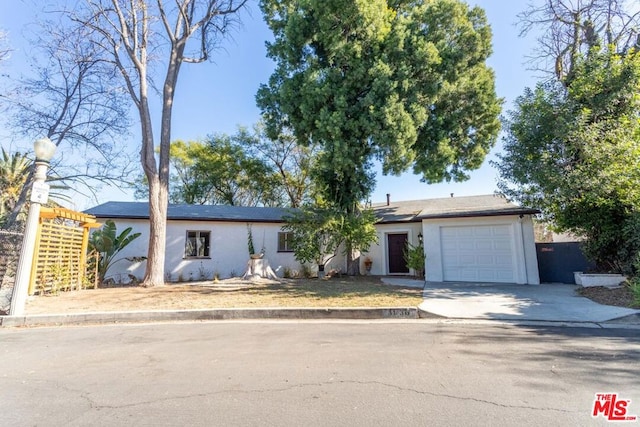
{"points": [[95, 405], [449, 396]]}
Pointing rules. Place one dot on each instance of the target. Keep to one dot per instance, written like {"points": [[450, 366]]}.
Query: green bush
{"points": [[414, 257], [634, 285], [306, 271]]}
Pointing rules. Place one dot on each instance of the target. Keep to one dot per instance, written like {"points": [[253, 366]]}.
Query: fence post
{"points": [[34, 262]]}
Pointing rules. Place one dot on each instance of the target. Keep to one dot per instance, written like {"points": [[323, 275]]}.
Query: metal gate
{"points": [[558, 261]]}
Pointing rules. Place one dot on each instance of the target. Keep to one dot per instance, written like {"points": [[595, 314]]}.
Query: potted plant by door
{"points": [[367, 264]]}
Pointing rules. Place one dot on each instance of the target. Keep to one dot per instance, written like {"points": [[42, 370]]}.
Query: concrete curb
{"points": [[424, 314], [532, 323], [209, 314], [631, 319], [626, 322], [293, 314]]}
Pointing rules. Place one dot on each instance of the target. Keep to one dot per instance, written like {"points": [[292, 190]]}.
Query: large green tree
{"points": [[217, 171], [242, 169], [230, 176], [402, 82], [572, 148]]}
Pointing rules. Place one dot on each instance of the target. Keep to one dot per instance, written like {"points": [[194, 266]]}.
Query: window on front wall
{"points": [[284, 242], [197, 244]]}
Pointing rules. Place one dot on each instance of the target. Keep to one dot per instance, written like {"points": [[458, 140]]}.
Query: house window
{"points": [[284, 242], [197, 244]]}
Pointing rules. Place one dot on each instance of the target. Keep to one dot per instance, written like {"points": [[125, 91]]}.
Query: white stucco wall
{"points": [[378, 251], [228, 253], [529, 243], [523, 244]]}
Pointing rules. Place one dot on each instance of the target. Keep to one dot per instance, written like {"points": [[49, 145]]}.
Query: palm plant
{"points": [[14, 172], [108, 244]]}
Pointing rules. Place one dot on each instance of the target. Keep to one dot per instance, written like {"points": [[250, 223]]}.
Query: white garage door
{"points": [[482, 253]]}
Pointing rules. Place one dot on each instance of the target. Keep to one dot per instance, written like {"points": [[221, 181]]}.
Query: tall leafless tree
{"points": [[142, 37], [4, 48], [569, 28], [74, 99]]}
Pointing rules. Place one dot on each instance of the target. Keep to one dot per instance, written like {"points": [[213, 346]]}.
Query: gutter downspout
{"points": [[524, 250]]}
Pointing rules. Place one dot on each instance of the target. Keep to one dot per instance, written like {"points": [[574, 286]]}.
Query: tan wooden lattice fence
{"points": [[60, 260]]}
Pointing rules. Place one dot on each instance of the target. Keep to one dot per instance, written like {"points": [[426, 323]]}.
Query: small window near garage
{"points": [[197, 244], [284, 242]]}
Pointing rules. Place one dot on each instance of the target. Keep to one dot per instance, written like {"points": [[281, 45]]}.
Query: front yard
{"points": [[232, 293]]}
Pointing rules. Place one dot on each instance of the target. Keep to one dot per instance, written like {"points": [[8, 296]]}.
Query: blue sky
{"points": [[219, 96]]}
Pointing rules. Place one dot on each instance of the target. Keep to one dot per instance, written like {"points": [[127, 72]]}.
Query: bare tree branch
{"points": [[73, 99], [570, 28], [5, 51]]}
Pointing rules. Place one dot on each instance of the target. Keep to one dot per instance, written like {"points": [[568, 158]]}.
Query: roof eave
{"points": [[180, 218], [480, 214], [399, 221]]}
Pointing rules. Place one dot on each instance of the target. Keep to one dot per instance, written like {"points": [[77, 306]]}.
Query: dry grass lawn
{"points": [[232, 293]]}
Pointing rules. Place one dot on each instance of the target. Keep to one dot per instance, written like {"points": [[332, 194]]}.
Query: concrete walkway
{"points": [[403, 281], [549, 302]]}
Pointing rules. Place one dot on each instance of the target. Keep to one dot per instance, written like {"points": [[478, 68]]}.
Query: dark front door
{"points": [[396, 243]]}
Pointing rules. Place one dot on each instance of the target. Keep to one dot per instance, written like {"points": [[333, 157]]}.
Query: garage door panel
{"points": [[504, 246], [478, 253], [501, 230], [506, 276], [465, 244], [467, 275], [503, 261], [481, 231], [486, 275], [483, 245], [484, 260], [466, 259]]}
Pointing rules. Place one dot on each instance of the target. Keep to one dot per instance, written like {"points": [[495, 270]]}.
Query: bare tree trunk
{"points": [[159, 178], [353, 261], [158, 202], [158, 191]]}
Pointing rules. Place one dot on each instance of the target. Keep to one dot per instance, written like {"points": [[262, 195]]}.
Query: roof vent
{"points": [[451, 194], [388, 199]]}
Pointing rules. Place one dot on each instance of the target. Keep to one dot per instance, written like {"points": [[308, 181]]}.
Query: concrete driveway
{"points": [[548, 302]]}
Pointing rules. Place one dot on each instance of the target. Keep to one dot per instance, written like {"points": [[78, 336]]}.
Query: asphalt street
{"points": [[292, 373]]}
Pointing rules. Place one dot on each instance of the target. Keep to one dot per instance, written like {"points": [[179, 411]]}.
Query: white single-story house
{"points": [[466, 239]]}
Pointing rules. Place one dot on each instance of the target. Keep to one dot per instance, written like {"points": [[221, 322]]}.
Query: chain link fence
{"points": [[10, 244]]}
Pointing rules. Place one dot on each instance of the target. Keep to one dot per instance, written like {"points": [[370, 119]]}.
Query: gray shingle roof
{"points": [[140, 210], [404, 211], [448, 207]]}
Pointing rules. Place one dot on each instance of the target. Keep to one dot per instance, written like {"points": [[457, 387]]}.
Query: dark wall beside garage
{"points": [[558, 261]]}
